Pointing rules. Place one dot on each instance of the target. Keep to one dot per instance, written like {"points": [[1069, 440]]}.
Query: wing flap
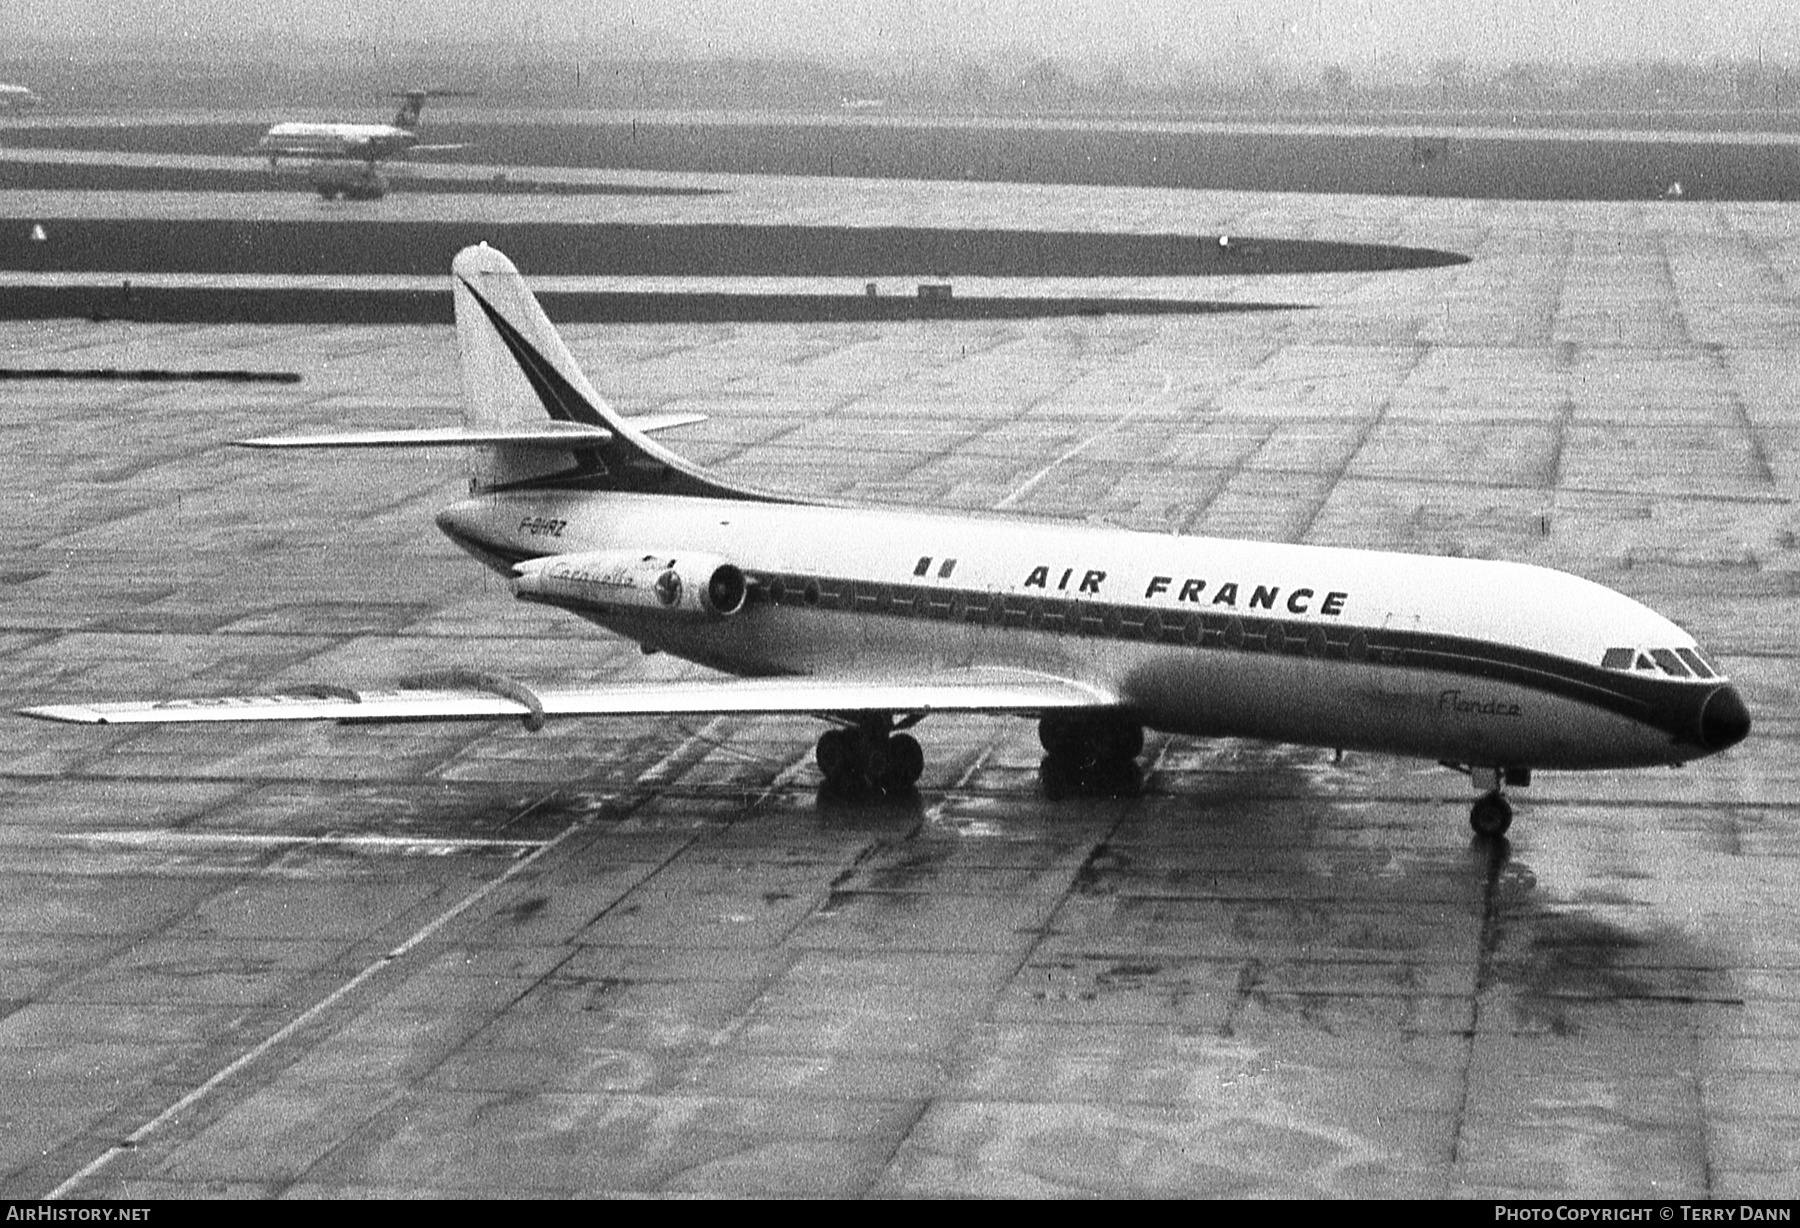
{"points": [[993, 692]]}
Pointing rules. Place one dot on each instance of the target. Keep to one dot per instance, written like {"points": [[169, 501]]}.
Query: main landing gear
{"points": [[870, 755], [1089, 754], [1492, 814]]}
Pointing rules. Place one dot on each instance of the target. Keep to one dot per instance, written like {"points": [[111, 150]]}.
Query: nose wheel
{"points": [[870, 755], [1491, 815]]}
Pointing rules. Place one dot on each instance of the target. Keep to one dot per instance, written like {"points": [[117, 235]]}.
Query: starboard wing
{"points": [[484, 697]]}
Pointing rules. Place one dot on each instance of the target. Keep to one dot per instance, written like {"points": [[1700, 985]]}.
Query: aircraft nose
{"points": [[1724, 721]]}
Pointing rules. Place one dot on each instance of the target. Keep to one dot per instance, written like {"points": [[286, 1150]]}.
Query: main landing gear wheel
{"points": [[1087, 742], [1088, 754], [870, 757], [1491, 815]]}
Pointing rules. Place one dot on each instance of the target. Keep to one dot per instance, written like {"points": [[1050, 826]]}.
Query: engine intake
{"points": [[664, 582]]}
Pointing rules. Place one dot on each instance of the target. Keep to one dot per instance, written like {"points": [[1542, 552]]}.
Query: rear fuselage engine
{"points": [[632, 581]]}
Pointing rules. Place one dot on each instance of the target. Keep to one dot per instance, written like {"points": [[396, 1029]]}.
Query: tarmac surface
{"points": [[649, 957], [1752, 155]]}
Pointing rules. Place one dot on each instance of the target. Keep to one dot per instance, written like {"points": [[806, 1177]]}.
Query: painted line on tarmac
{"points": [[136, 1137], [191, 839], [659, 772], [1118, 424]]}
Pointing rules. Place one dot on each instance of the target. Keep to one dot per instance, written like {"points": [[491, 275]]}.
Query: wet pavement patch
{"points": [[149, 375], [425, 249], [296, 305]]}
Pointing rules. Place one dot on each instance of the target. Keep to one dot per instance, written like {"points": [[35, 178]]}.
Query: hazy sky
{"points": [[1312, 31]]}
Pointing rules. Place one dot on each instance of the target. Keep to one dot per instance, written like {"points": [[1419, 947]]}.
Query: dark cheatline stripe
{"points": [[560, 399]]}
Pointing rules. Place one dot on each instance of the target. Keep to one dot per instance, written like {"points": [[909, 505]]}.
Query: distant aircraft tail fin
{"points": [[516, 369], [412, 102]]}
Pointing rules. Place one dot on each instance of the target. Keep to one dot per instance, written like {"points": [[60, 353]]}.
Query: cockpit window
{"points": [[1697, 663], [1676, 663], [1670, 663]]}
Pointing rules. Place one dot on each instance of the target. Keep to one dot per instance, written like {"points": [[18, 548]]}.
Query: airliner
{"points": [[366, 143], [874, 619]]}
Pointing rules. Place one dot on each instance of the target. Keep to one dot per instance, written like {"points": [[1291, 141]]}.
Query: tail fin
{"points": [[516, 369], [407, 116]]}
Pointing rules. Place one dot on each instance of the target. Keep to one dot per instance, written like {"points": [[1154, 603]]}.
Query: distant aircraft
{"points": [[369, 144], [18, 98], [875, 618]]}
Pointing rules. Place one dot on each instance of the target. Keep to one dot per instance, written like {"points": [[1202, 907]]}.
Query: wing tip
{"points": [[64, 714]]}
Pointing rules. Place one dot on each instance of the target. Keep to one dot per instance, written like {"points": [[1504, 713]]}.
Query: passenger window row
{"points": [[1072, 617]]}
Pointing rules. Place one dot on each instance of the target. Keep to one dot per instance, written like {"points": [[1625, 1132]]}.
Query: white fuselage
{"points": [[1467, 661], [369, 142]]}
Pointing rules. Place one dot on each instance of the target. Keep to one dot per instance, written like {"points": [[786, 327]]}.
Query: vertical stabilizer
{"points": [[413, 103], [502, 335], [516, 369]]}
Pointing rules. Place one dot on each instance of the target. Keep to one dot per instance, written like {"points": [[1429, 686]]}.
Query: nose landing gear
{"points": [[1492, 814]]}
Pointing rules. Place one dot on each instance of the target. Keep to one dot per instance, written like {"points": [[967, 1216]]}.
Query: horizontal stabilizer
{"points": [[986, 691], [545, 434], [649, 424]]}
